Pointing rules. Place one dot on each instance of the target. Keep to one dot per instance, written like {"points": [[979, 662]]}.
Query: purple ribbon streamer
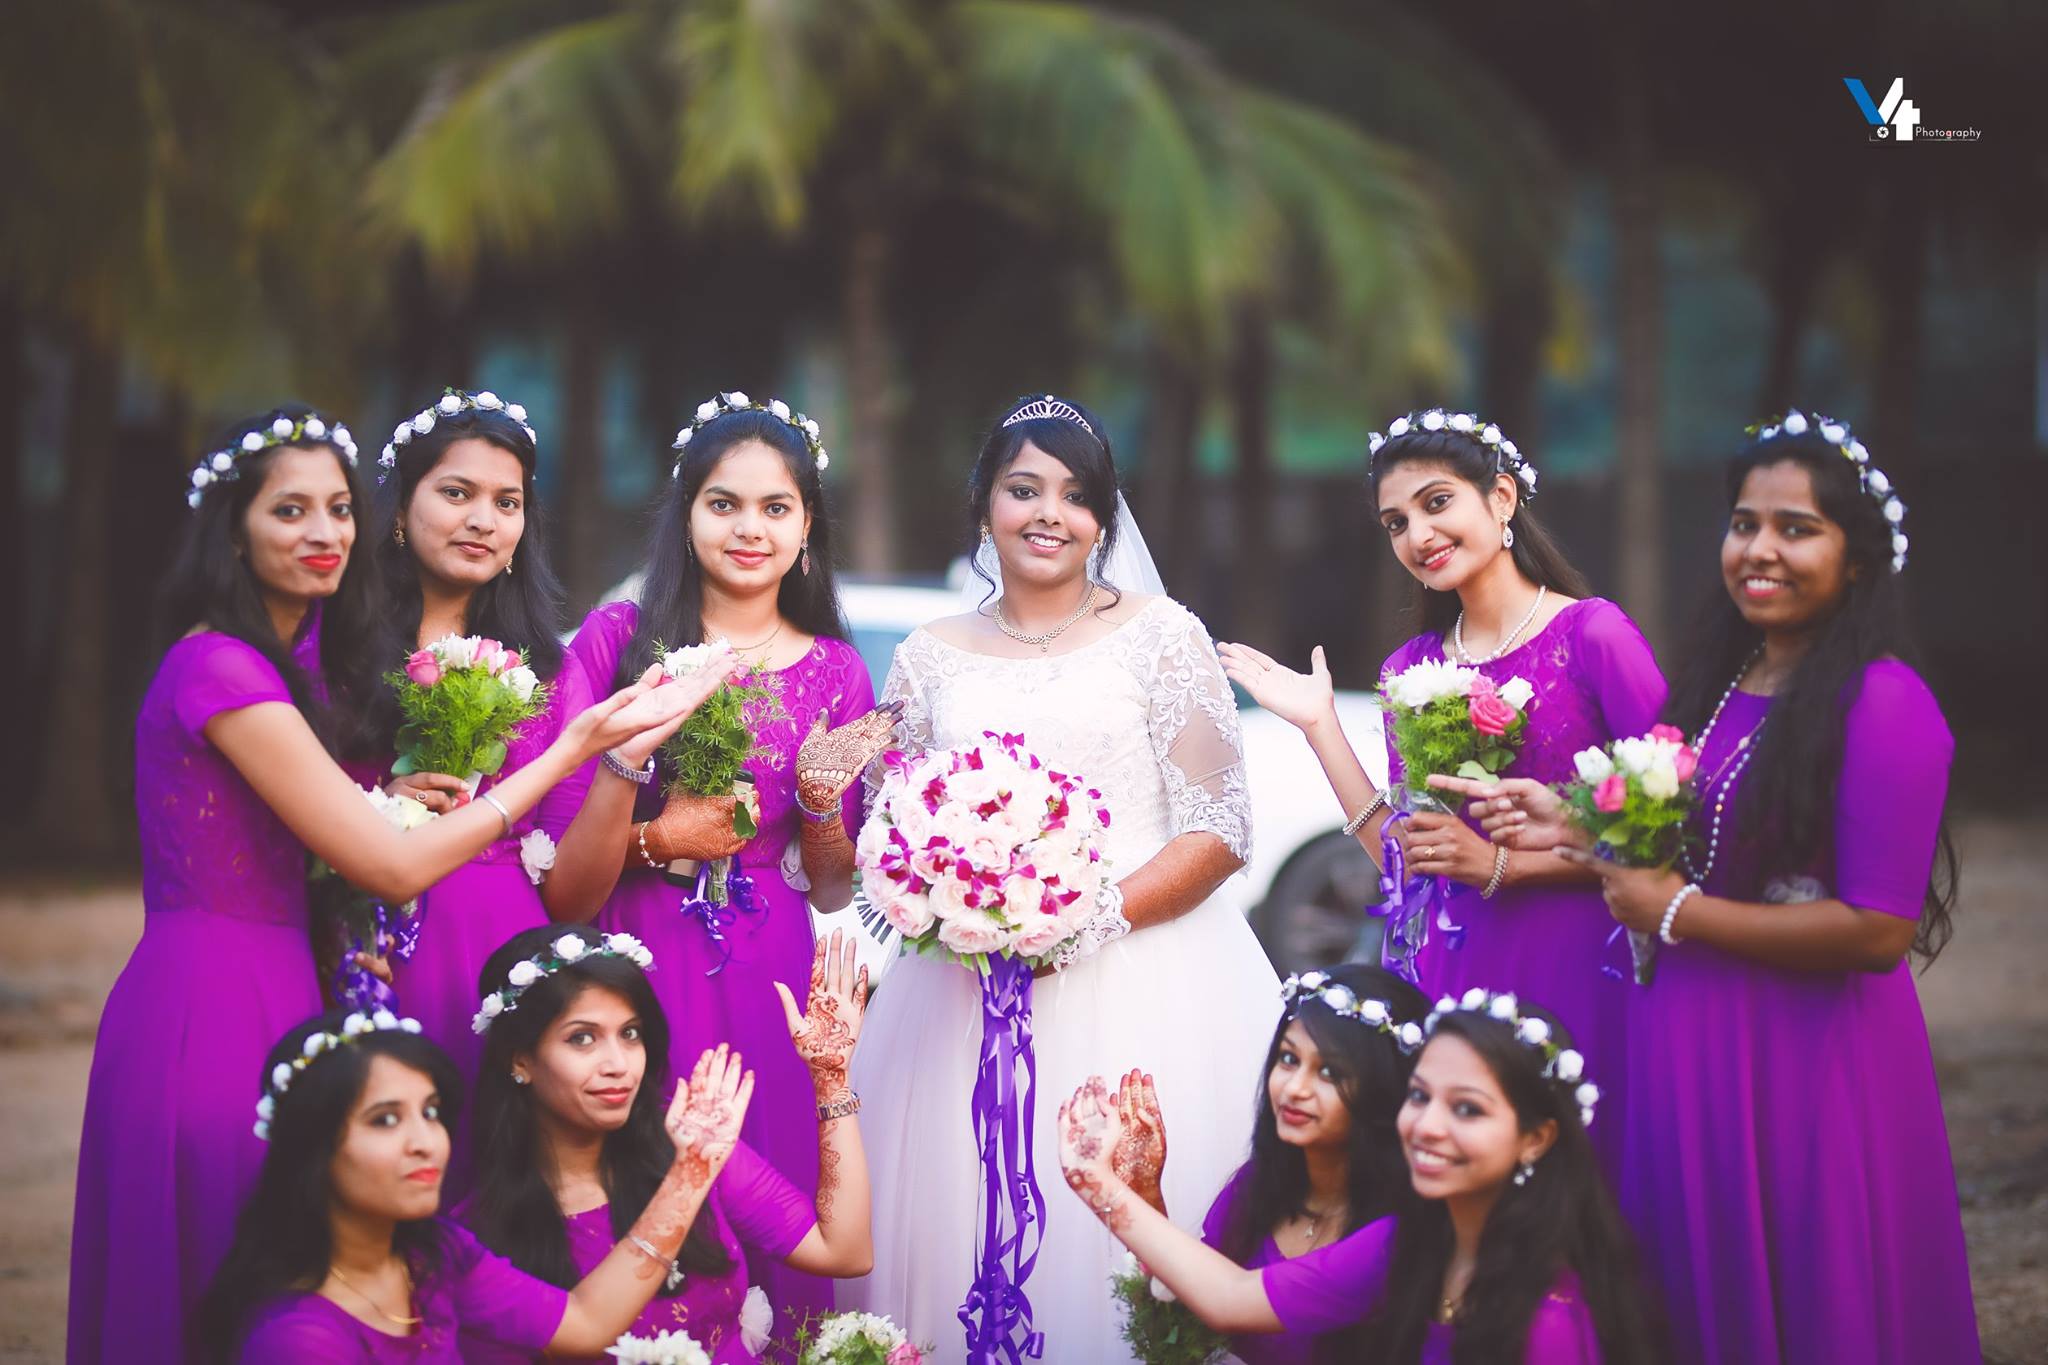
{"points": [[997, 1312], [720, 913], [359, 988], [1405, 904]]}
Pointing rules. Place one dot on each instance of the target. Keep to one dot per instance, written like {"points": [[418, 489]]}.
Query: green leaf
{"points": [[1477, 772], [743, 821], [404, 766], [491, 757]]}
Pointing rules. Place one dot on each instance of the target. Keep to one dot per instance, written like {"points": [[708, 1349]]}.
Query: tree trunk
{"points": [[1902, 287], [1255, 607], [582, 483], [1517, 321], [1172, 503], [1792, 281], [1640, 306], [76, 812], [873, 400]]}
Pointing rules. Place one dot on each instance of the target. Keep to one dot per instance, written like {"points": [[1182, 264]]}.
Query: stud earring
{"points": [[518, 1079], [1507, 536], [1526, 1174]]}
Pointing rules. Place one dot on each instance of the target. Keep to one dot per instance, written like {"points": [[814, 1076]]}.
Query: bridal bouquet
{"points": [[984, 855], [1634, 798], [464, 698], [363, 921], [855, 1339], [1452, 720]]}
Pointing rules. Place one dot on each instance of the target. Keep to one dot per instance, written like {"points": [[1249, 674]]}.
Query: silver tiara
{"points": [[1048, 406]]}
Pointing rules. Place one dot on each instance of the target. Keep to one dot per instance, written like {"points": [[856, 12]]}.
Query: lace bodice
{"points": [[1144, 713]]}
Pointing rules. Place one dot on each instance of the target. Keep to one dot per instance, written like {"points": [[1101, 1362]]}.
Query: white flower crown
{"points": [[1869, 477], [718, 405], [284, 1073], [449, 404], [1561, 1064], [224, 465], [1345, 1003], [1049, 406], [563, 951], [1507, 457]]}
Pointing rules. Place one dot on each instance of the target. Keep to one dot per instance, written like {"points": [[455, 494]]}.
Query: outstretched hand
{"points": [[831, 760], [1300, 699], [1139, 1158], [705, 1116], [829, 1026], [649, 710], [1516, 812], [1090, 1129]]}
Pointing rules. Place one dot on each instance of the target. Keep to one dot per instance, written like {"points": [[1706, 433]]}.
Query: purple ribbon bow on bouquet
{"points": [[997, 1313], [1405, 903], [359, 988], [721, 913]]}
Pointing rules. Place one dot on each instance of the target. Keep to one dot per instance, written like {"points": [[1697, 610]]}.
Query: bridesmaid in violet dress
{"points": [[338, 1256], [233, 786], [741, 550], [461, 544], [1497, 595], [1785, 1160]]}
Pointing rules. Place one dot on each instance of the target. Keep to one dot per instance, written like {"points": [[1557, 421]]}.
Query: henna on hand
{"points": [[829, 761], [1089, 1131], [695, 827], [827, 1031], [1139, 1157]]}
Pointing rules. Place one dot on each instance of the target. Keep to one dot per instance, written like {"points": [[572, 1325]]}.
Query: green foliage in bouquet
{"points": [[462, 724], [1160, 1331], [709, 755], [1440, 738], [1647, 831]]}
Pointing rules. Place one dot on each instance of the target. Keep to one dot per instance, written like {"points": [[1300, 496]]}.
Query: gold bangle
{"points": [[1500, 872]]}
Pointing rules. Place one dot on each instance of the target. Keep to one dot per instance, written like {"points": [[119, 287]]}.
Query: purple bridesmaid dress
{"points": [[1785, 1162], [223, 969], [725, 993]]}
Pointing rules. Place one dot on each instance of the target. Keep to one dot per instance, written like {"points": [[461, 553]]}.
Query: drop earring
{"points": [[398, 534], [804, 559], [1526, 1174], [1507, 536], [508, 568]]}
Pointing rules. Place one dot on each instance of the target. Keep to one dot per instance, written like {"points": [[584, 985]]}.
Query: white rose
{"points": [[736, 399], [314, 1042], [281, 1076], [1894, 511], [1491, 434], [522, 680], [449, 404], [1858, 452], [1634, 756], [193, 499], [410, 1026], [1373, 1012], [1593, 766], [423, 423], [779, 408], [1533, 1031], [281, 428], [810, 428], [707, 410], [266, 1108], [354, 1024], [1518, 693], [455, 651], [489, 401], [494, 1005], [682, 439], [1660, 779], [384, 1019], [536, 854], [1587, 1095], [401, 433], [201, 477], [1899, 543], [824, 462], [1410, 1034], [1528, 473], [1503, 1006], [518, 414], [1474, 999], [1570, 1066], [1461, 422], [1398, 427], [1833, 432], [315, 428], [1795, 424], [569, 947], [523, 974], [342, 438], [1432, 420], [1373, 442], [757, 1319], [252, 441], [1879, 484]]}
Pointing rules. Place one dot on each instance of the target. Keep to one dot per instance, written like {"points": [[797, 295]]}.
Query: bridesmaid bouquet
{"points": [[982, 854], [366, 923], [663, 1348], [1634, 799], [464, 698], [1452, 720], [1160, 1329], [708, 757], [855, 1339]]}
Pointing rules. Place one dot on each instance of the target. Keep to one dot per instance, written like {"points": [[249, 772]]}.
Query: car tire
{"points": [[1315, 915]]}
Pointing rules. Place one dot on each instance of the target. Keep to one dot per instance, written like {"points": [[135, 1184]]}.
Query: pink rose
{"points": [[1686, 762], [489, 646], [1667, 732], [1490, 714], [1481, 686], [423, 668], [906, 1354], [1612, 794], [512, 660]]}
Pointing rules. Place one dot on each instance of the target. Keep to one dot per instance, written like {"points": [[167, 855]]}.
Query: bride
{"points": [[1122, 688]]}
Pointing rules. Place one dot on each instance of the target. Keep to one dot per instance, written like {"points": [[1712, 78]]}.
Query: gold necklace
{"points": [[773, 635], [1044, 642], [404, 1270]]}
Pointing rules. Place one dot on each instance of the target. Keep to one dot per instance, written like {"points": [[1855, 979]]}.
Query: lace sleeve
{"points": [[1192, 719], [914, 730]]}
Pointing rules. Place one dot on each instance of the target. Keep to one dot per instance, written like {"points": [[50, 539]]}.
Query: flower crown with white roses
{"points": [[451, 402], [1346, 1003], [563, 951], [1507, 457], [224, 465], [713, 408], [319, 1044], [1869, 477], [1561, 1064]]}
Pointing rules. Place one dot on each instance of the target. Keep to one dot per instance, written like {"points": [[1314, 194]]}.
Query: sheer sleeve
{"points": [[766, 1211], [854, 698], [1332, 1285], [1192, 720], [1895, 769], [297, 1329], [914, 730], [1621, 670], [223, 674], [495, 1299]]}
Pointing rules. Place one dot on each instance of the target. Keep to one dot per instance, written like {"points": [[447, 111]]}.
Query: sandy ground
{"points": [[1986, 1001]]}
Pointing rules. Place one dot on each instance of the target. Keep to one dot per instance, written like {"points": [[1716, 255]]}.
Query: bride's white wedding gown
{"points": [[1146, 715]]}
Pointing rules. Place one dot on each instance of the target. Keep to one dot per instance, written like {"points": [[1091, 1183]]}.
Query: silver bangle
{"points": [[648, 1249], [491, 799], [639, 777], [1685, 893], [817, 817], [1372, 808]]}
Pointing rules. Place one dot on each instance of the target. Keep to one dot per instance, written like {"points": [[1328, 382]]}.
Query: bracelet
{"points": [[1500, 872], [653, 1253], [839, 1109], [1685, 893], [645, 856], [815, 817], [1372, 808], [491, 799], [639, 777]]}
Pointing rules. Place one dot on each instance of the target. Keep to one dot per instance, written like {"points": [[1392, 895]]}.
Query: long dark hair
{"points": [[209, 583], [672, 590], [1372, 1075], [1785, 810], [1085, 451], [1564, 1218], [513, 1210], [523, 610], [1537, 555], [284, 1234]]}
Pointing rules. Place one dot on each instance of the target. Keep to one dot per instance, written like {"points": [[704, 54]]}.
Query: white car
{"points": [[1307, 886]]}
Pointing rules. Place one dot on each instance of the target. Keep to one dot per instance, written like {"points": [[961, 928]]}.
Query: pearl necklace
{"points": [[1044, 642], [1507, 642], [1726, 775]]}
